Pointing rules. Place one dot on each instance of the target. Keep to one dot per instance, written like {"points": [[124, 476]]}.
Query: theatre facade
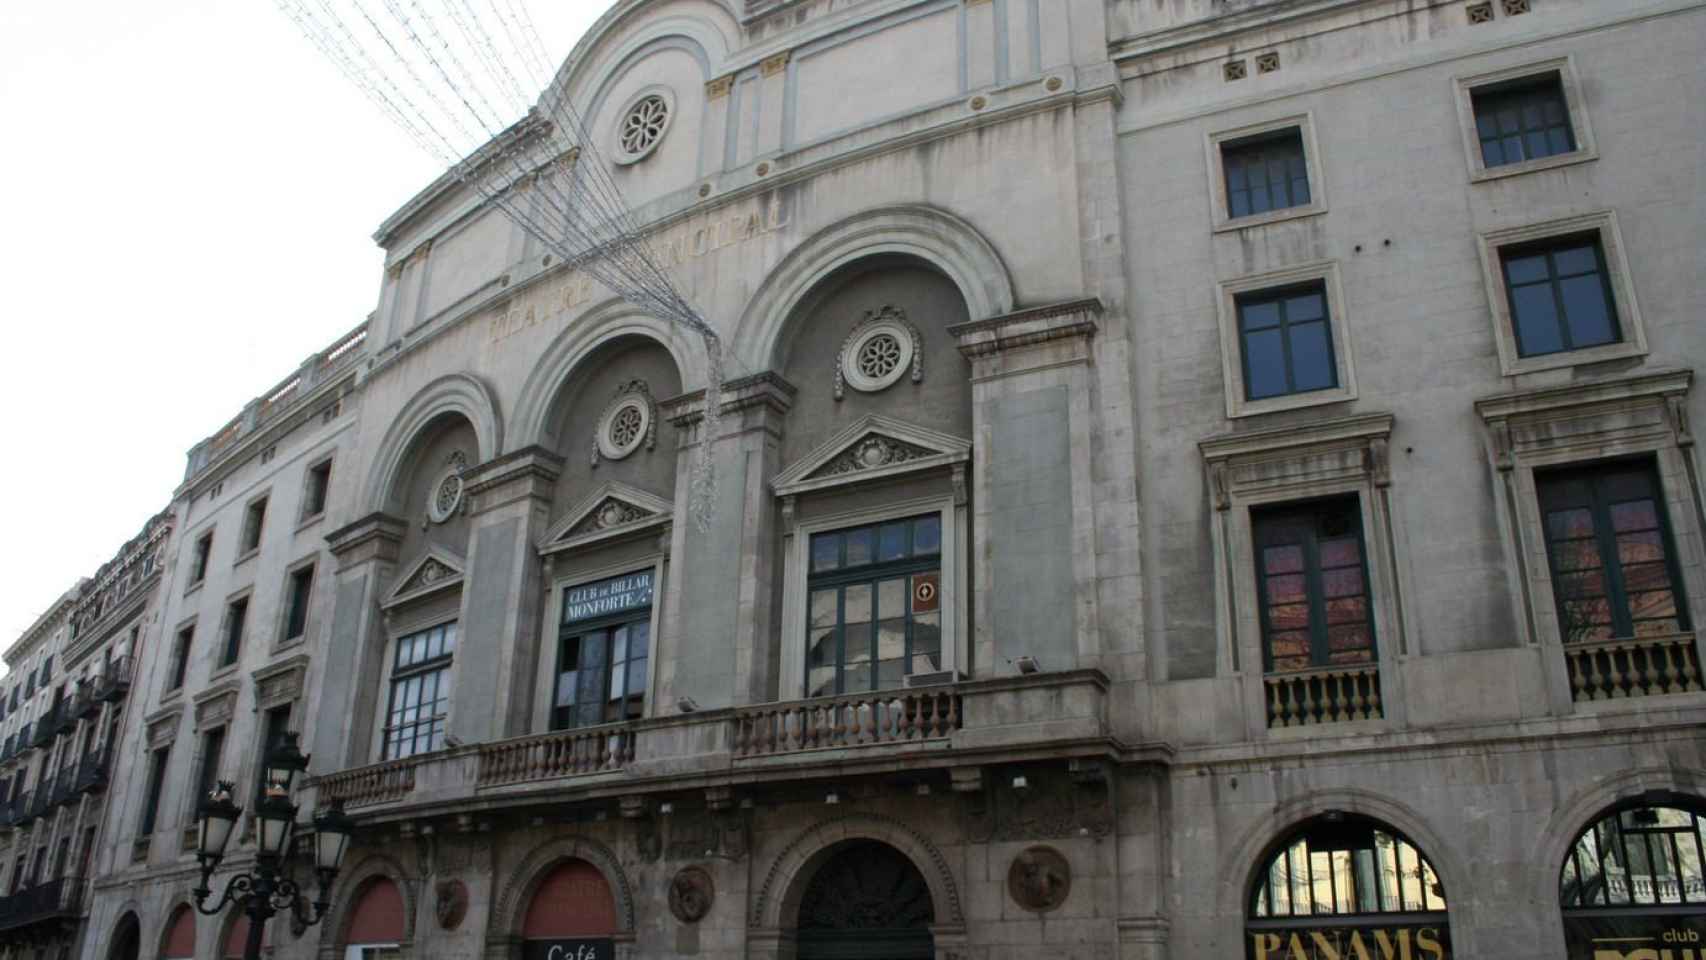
{"points": [[1193, 480]]}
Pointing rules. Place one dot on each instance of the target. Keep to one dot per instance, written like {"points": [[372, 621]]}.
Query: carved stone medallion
{"points": [[450, 903], [1039, 879], [880, 350], [691, 894], [447, 492], [628, 422]]}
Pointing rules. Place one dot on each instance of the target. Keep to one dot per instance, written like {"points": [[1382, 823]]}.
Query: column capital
{"points": [[530, 472], [1032, 338], [373, 537]]}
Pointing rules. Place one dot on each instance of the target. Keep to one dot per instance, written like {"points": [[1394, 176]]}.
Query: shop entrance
{"points": [[866, 902]]}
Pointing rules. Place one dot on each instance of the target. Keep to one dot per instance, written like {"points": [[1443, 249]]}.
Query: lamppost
{"points": [[268, 889]]}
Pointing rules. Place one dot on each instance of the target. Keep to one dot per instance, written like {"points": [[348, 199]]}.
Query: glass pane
{"points": [[927, 536], [1289, 651], [1344, 891], [1343, 582], [567, 682], [1347, 610], [1288, 559], [1341, 552], [1589, 314], [1312, 357], [826, 551], [1575, 260], [1646, 547], [1645, 576], [1291, 616], [858, 678], [1309, 306], [891, 674], [823, 606], [891, 597], [1634, 515], [1526, 270], [891, 541], [891, 639], [860, 546], [619, 645], [926, 633], [1577, 522], [1259, 315], [1264, 360], [639, 640], [857, 603], [1289, 588], [1536, 319]]}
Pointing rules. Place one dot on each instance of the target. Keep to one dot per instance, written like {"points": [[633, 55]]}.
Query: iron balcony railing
{"points": [[42, 799], [92, 774], [115, 682], [22, 811], [85, 704], [53, 900], [44, 731]]}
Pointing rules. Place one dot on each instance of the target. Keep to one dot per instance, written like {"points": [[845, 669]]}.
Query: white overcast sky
{"points": [[190, 196]]}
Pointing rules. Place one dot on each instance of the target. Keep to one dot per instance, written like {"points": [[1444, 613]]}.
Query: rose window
{"points": [[878, 352], [626, 425], [879, 356], [642, 127]]}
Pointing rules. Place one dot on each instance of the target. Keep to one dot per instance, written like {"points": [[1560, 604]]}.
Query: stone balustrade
{"points": [[562, 753], [375, 783], [1328, 695], [889, 717], [1632, 667]]}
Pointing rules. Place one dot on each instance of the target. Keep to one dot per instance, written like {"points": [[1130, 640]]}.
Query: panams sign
{"points": [[1414, 942]]}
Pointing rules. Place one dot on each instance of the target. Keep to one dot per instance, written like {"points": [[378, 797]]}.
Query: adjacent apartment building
{"points": [[1195, 478]]}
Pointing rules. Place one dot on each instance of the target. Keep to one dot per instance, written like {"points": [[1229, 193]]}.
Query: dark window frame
{"points": [[1492, 102], [629, 706], [1617, 824], [1597, 474], [1290, 515], [299, 595], [1345, 833], [202, 557], [1257, 153], [317, 488], [207, 773], [236, 622], [1549, 248], [437, 666], [182, 643], [157, 762], [871, 574], [254, 525], [1281, 296]]}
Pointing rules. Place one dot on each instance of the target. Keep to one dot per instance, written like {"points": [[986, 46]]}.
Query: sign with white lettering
{"points": [[1635, 938], [605, 597], [556, 949], [1419, 941]]}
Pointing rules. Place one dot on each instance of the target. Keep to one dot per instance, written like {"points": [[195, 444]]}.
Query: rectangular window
{"points": [[212, 749], [301, 590], [156, 783], [203, 553], [1560, 295], [1608, 543], [314, 496], [1265, 172], [1286, 340], [874, 614], [275, 725], [601, 673], [180, 657], [420, 692], [1313, 578], [1524, 119], [253, 520], [236, 615], [46, 669]]}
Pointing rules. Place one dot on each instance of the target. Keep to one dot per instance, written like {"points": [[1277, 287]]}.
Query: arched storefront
{"points": [[1346, 886], [866, 900], [376, 924], [1632, 886], [572, 916], [127, 939], [178, 943], [237, 936]]}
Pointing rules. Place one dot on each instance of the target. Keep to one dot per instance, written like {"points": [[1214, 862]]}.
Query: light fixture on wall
{"points": [[832, 798], [1027, 665], [666, 807], [686, 704], [1020, 783]]}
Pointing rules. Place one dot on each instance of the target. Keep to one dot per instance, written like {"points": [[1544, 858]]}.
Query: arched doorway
{"points": [[867, 900], [127, 939], [572, 915], [179, 941], [1346, 886], [1634, 883], [377, 923]]}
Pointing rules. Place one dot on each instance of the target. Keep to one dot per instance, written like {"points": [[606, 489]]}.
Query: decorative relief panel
{"points": [[696, 837], [1049, 807], [882, 348], [872, 452], [691, 894], [629, 422], [1039, 879]]}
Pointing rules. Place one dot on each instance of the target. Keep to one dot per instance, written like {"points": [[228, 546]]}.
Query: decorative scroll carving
{"points": [[878, 351], [708, 835], [611, 513], [872, 452], [1051, 807]]}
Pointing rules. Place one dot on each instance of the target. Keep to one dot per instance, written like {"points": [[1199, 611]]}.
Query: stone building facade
{"points": [[1195, 478]]}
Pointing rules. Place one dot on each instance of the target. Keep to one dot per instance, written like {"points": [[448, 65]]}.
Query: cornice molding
{"points": [[1653, 385]]}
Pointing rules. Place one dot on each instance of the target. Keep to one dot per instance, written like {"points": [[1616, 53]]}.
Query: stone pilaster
{"points": [[366, 554]]}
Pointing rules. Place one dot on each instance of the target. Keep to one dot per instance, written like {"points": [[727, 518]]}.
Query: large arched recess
{"points": [[536, 405], [509, 912], [777, 900], [353, 883], [929, 234], [454, 394], [622, 35], [125, 943]]}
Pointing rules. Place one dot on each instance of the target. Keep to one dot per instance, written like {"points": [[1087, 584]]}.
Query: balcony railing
{"points": [[44, 798], [1633, 667], [1042, 716], [115, 682], [896, 717], [45, 732], [23, 811], [1334, 695], [562, 753], [66, 719], [45, 901], [92, 773], [85, 704]]}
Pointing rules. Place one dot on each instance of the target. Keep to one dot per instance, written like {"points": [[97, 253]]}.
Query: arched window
{"points": [[1634, 880], [376, 925], [179, 943], [572, 914], [1346, 886]]}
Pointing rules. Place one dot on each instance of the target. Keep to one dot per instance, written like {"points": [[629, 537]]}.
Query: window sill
{"points": [[287, 644], [310, 520], [173, 695], [227, 670], [246, 556], [1485, 174], [1621, 350], [1228, 225], [1291, 401], [192, 588]]}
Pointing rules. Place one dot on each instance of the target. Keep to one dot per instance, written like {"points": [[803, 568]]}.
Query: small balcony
{"points": [[43, 903], [23, 811], [114, 684], [65, 721], [92, 773], [85, 704], [44, 798], [1040, 717], [45, 732], [1329, 695], [1632, 667]]}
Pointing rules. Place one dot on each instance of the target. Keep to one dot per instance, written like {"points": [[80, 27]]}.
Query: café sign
{"points": [[1430, 941], [1650, 937], [558, 949], [605, 597]]}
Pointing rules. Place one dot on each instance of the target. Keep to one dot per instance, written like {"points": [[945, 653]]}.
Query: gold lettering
{"points": [[1427, 941], [1266, 943], [1325, 949], [1358, 949], [1295, 949], [1388, 949]]}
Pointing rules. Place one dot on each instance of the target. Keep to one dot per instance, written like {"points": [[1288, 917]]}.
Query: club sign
{"points": [[604, 597], [1661, 937]]}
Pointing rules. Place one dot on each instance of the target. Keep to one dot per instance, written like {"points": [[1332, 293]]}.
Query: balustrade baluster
{"points": [[1618, 677], [1592, 658], [1685, 650]]}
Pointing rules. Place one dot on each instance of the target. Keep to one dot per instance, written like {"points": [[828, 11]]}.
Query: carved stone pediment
{"points": [[612, 510], [162, 726], [872, 448], [436, 572], [216, 706], [281, 682]]}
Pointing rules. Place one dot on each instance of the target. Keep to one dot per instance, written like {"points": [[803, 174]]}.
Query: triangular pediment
{"points": [[438, 570], [873, 447], [612, 510]]}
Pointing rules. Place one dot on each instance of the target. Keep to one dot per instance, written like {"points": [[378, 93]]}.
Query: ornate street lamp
{"points": [[268, 889]]}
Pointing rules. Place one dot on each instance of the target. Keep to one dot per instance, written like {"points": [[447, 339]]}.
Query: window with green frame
{"points": [[1312, 573], [875, 605]]}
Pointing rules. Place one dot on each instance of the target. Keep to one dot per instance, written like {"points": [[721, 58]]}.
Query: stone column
{"points": [[353, 658], [718, 631], [503, 595], [1034, 535]]}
